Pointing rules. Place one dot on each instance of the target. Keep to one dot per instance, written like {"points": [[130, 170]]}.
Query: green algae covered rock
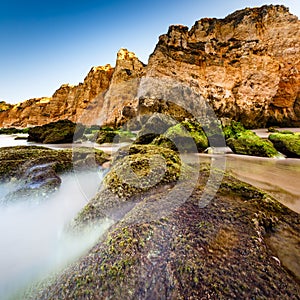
{"points": [[35, 170], [192, 252], [287, 143], [246, 142], [16, 160], [110, 135], [141, 168], [187, 135], [135, 170], [13, 130], [63, 131]]}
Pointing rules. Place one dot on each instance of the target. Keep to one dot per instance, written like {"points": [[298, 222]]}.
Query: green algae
{"points": [[287, 143], [246, 142], [188, 136]]}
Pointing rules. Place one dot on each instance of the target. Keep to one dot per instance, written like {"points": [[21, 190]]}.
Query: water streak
{"points": [[33, 240]]}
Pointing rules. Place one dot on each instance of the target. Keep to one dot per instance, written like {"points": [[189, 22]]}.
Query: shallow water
{"points": [[9, 141], [279, 177]]}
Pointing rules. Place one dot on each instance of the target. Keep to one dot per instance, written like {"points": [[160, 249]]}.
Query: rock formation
{"points": [[245, 67], [68, 102], [120, 101]]}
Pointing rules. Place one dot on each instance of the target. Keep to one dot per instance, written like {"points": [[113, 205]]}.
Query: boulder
{"points": [[246, 142], [287, 143], [63, 131], [135, 169], [155, 125], [187, 136]]}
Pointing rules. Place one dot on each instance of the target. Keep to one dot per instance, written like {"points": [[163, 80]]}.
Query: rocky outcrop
{"points": [[68, 102], [120, 101], [244, 67], [163, 245]]}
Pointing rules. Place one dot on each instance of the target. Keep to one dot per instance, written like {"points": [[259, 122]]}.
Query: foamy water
{"points": [[33, 240]]}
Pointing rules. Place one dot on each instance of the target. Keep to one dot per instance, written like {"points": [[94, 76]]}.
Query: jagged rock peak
{"points": [[124, 54], [255, 14], [105, 68]]}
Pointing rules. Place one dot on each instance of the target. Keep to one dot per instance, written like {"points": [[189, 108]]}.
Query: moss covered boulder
{"points": [[242, 245], [135, 169], [63, 131], [187, 136], [243, 141], [110, 135], [286, 143]]}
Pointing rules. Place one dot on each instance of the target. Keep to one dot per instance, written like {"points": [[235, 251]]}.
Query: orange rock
{"points": [[246, 66]]}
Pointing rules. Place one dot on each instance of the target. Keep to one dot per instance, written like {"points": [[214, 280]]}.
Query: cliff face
{"points": [[246, 67], [68, 102], [120, 101]]}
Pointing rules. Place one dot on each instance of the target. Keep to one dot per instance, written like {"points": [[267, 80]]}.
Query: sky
{"points": [[44, 44]]}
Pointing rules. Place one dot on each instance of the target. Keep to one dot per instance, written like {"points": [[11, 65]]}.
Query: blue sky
{"points": [[44, 44]]}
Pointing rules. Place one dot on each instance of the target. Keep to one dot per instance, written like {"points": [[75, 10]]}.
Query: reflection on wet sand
{"points": [[279, 177]]}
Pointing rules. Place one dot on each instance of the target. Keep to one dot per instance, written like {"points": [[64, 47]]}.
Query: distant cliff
{"points": [[246, 66]]}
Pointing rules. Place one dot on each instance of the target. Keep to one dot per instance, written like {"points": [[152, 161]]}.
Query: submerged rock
{"points": [[36, 183], [35, 170], [15, 161]]}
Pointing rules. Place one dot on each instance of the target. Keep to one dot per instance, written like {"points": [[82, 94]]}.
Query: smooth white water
{"points": [[33, 242]]}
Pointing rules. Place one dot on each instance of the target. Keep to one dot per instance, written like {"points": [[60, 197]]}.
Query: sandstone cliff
{"points": [[245, 67], [120, 101], [68, 102]]}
